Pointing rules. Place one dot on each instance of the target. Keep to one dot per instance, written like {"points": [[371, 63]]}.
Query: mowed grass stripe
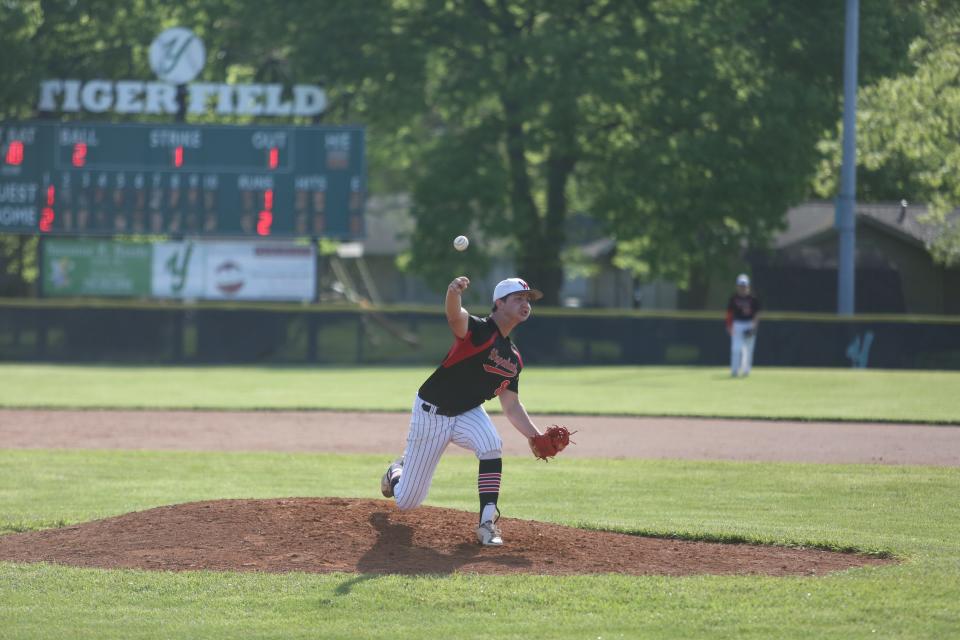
{"points": [[868, 507], [42, 601], [770, 393]]}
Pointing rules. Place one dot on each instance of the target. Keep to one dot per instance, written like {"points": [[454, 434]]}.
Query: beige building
{"points": [[895, 272]]}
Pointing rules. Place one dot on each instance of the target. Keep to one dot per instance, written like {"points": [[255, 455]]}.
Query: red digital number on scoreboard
{"points": [[14, 155], [265, 219], [47, 215], [79, 157]]}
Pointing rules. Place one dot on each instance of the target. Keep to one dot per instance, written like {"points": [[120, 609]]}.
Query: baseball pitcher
{"points": [[482, 363]]}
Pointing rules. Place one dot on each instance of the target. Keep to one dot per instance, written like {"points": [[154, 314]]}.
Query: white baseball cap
{"points": [[513, 285], [743, 279]]}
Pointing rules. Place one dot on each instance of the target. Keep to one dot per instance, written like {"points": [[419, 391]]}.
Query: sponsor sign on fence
{"points": [[190, 269], [234, 270], [95, 268]]}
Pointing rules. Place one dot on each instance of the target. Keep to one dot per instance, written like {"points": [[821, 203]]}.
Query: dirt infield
{"points": [[598, 437], [372, 536]]}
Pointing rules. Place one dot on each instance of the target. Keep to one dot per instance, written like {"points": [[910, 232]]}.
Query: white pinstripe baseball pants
{"points": [[741, 347], [428, 438]]}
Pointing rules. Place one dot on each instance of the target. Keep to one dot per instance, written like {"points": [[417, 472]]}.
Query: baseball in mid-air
{"points": [[460, 243]]}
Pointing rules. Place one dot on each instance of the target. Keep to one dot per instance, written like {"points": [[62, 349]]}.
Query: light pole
{"points": [[846, 221]]}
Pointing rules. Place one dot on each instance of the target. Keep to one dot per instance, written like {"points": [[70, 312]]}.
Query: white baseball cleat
{"points": [[394, 471], [488, 534]]}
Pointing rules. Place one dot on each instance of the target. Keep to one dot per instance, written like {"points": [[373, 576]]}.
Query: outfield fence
{"points": [[177, 333]]}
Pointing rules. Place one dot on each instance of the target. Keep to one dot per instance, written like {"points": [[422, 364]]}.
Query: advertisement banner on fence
{"points": [[234, 270], [95, 268]]}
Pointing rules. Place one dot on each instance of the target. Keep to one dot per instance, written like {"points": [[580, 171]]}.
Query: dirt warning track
{"points": [[364, 432]]}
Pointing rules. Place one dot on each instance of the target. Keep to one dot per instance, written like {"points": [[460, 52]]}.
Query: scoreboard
{"points": [[95, 179]]}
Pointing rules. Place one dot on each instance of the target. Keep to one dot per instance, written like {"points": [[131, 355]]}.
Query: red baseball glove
{"points": [[551, 442]]}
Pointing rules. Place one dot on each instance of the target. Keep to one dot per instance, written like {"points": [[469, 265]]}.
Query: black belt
{"points": [[432, 408]]}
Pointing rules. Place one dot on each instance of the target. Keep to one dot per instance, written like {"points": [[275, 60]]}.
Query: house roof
{"points": [[812, 219], [389, 225]]}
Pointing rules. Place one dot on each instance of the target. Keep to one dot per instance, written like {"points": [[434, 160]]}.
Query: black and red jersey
{"points": [[478, 367], [742, 307]]}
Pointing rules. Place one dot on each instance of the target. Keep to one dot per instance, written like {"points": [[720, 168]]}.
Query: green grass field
{"points": [[804, 394], [911, 512]]}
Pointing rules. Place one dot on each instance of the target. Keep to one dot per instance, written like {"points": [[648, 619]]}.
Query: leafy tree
{"points": [[18, 24], [908, 131], [713, 136], [18, 265], [687, 127]]}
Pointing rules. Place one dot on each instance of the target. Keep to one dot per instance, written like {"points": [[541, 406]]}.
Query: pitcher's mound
{"points": [[372, 536]]}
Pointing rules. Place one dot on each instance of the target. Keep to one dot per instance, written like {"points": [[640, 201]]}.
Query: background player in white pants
{"points": [[482, 363], [742, 321]]}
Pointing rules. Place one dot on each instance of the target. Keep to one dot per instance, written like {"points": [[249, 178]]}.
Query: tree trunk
{"points": [[540, 240], [526, 218], [543, 262]]}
